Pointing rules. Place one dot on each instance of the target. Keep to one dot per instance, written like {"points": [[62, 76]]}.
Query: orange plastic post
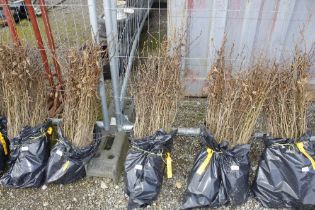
{"points": [[10, 22], [50, 38], [40, 44]]}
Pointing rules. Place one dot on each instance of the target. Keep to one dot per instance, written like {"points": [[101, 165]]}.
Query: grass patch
{"points": [[67, 31]]}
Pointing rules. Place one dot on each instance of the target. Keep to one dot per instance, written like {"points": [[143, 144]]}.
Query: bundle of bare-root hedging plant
{"points": [[23, 88], [81, 91], [4, 146], [25, 96], [156, 90], [288, 102], [1, 101], [236, 99], [76, 141], [289, 155]]}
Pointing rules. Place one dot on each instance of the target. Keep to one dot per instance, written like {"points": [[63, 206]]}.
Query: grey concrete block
{"points": [[110, 157]]}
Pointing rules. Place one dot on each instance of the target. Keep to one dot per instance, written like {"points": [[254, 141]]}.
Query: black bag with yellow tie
{"points": [[144, 167], [29, 153], [286, 174], [219, 175], [4, 143], [67, 163]]}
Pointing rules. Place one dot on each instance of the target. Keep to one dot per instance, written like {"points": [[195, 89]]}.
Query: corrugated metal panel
{"points": [[253, 27]]}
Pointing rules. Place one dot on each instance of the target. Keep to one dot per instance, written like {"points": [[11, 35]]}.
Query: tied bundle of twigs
{"points": [[286, 107], [81, 96], [1, 97], [156, 90], [23, 88], [235, 100]]}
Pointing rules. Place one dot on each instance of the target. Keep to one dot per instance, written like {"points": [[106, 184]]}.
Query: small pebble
{"points": [[44, 187], [103, 185], [45, 204], [178, 185]]}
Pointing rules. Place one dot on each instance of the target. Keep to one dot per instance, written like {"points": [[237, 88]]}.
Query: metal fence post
{"points": [[51, 42], [93, 20], [131, 58], [10, 22], [111, 34], [40, 43], [102, 90]]}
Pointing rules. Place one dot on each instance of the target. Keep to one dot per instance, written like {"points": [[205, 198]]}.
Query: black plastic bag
{"points": [[28, 158], [67, 163], [144, 167], [285, 176], [4, 143], [219, 175]]}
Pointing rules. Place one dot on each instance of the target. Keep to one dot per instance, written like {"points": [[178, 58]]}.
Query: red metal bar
{"points": [[10, 21], [40, 44], [50, 38]]}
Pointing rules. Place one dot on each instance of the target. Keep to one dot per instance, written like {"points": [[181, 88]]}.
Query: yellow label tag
{"points": [[206, 162], [169, 165], [4, 145], [66, 165], [50, 130], [300, 146]]}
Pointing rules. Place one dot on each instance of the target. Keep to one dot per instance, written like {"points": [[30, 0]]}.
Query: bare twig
{"points": [[81, 97], [288, 102], [156, 90], [235, 100], [23, 88]]}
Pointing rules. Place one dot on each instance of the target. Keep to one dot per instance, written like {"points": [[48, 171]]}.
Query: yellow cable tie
{"points": [[4, 144], [169, 165], [300, 146], [50, 130], [206, 162], [65, 166]]}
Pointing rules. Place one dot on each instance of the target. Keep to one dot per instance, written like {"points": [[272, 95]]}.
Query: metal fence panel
{"points": [[253, 27]]}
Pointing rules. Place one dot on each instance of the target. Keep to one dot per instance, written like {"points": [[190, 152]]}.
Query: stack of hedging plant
{"points": [[156, 90], [81, 102], [286, 107], [23, 88], [236, 99]]}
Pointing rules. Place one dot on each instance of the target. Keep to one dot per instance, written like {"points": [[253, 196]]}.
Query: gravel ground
{"points": [[102, 193]]}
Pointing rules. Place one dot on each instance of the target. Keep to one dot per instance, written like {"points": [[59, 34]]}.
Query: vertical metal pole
{"points": [[93, 20], [10, 22], [112, 51], [114, 26], [102, 90], [40, 43]]}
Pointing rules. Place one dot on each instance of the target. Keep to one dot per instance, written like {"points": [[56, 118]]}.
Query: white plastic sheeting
{"points": [[270, 28]]}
